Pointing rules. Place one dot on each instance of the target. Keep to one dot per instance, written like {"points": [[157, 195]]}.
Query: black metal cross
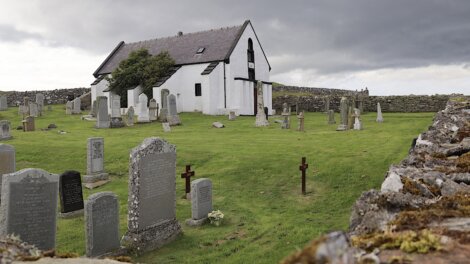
{"points": [[187, 175], [303, 167]]}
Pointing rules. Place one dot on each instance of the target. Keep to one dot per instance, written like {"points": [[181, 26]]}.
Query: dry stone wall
{"points": [[57, 96]]}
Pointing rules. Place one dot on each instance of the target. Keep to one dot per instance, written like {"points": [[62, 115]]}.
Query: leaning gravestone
{"points": [[153, 109], [7, 161], [201, 201], [380, 118], [102, 116], [331, 117], [344, 115], [260, 115], [33, 109], [68, 107], [77, 104], [172, 117], [130, 116], [3, 103], [143, 116], [96, 175], [70, 194], [29, 207], [5, 130], [151, 220], [40, 102], [102, 224]]}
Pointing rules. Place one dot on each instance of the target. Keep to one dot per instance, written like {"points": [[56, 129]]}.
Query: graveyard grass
{"points": [[255, 175]]}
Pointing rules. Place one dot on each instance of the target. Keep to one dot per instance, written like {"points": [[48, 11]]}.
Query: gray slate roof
{"points": [[218, 44]]}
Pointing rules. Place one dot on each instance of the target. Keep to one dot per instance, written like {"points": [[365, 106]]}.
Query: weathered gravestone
{"points": [[331, 117], [102, 224], [116, 119], [29, 207], [232, 116], [33, 109], [260, 115], [143, 116], [350, 117], [327, 104], [130, 116], [380, 118], [70, 194], [153, 109], [94, 108], [40, 102], [23, 110], [68, 107], [286, 114], [151, 220], [201, 201], [5, 130], [301, 119], [3, 103], [357, 119], [166, 127], [164, 111], [172, 118], [7, 161], [344, 115], [28, 124], [96, 175], [77, 104], [102, 116]]}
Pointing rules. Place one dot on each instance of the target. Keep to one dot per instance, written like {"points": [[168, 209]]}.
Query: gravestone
{"points": [[327, 104], [49, 108], [77, 104], [331, 117], [286, 114], [102, 224], [33, 109], [68, 107], [153, 109], [130, 116], [232, 116], [70, 194], [7, 161], [94, 108], [350, 117], [166, 127], [143, 116], [172, 118], [344, 115], [40, 102], [217, 125], [151, 220], [164, 110], [3, 103], [301, 120], [28, 124], [29, 207], [357, 119], [5, 130], [116, 119], [23, 110], [260, 115], [201, 201], [96, 175], [380, 118], [102, 116]]}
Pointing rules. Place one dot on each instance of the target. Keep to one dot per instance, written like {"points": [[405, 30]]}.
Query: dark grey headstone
{"points": [[5, 130], [102, 224], [102, 116], [70, 192], [29, 207], [7, 161], [201, 198], [172, 116]]}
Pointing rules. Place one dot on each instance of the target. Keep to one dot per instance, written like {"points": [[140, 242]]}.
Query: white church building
{"points": [[215, 71]]}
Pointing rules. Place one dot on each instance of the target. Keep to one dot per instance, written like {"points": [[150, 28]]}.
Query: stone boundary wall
{"points": [[315, 101], [57, 96]]}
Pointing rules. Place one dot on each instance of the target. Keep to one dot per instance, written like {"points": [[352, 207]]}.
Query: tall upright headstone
{"points": [[357, 119], [331, 117], [7, 161], [153, 109], [130, 116], [102, 116], [380, 118], [40, 102], [70, 194], [29, 207], [116, 119], [327, 104], [172, 118], [151, 220], [96, 175], [344, 115], [350, 117], [77, 104], [201, 201], [3, 103], [301, 119], [33, 109], [260, 116], [94, 108], [286, 114], [143, 116], [164, 110], [5, 130], [102, 224], [68, 107]]}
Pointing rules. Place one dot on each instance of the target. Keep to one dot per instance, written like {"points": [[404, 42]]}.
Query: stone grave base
{"points": [[342, 128], [173, 120], [198, 222], [116, 122], [5, 138], [143, 121], [152, 237], [71, 214], [102, 124], [96, 180]]}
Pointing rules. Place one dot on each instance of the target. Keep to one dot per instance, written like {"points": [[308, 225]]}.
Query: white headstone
{"points": [[143, 116], [115, 106], [380, 118]]}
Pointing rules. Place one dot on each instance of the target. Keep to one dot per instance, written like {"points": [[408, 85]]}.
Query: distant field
{"points": [[254, 172]]}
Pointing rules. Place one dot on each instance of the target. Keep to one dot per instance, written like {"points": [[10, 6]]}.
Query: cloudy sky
{"points": [[390, 46]]}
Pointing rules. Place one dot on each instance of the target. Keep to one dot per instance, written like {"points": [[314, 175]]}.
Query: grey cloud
{"points": [[10, 34]]}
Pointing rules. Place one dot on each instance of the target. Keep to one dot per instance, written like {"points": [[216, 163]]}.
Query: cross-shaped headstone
{"points": [[187, 175], [303, 167]]}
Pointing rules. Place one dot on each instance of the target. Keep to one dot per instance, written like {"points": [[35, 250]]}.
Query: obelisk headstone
{"points": [[380, 118], [344, 115], [96, 175]]}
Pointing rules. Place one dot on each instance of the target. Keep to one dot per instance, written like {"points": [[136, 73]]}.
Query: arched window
{"points": [[251, 60]]}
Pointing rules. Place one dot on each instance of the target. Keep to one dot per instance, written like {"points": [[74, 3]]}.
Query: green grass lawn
{"points": [[255, 175]]}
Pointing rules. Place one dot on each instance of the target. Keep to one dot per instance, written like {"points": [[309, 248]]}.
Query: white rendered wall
{"points": [[97, 89], [133, 98]]}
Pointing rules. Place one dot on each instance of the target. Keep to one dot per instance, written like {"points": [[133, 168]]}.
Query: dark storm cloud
{"points": [[327, 36]]}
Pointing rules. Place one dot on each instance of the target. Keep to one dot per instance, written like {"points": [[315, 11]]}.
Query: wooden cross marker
{"points": [[187, 175], [303, 167]]}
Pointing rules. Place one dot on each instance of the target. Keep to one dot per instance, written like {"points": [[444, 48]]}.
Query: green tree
{"points": [[140, 68]]}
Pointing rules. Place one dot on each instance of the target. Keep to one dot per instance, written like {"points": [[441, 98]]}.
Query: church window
{"points": [[197, 89]]}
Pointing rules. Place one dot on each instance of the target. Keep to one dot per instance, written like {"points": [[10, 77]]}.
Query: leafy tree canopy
{"points": [[140, 68]]}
